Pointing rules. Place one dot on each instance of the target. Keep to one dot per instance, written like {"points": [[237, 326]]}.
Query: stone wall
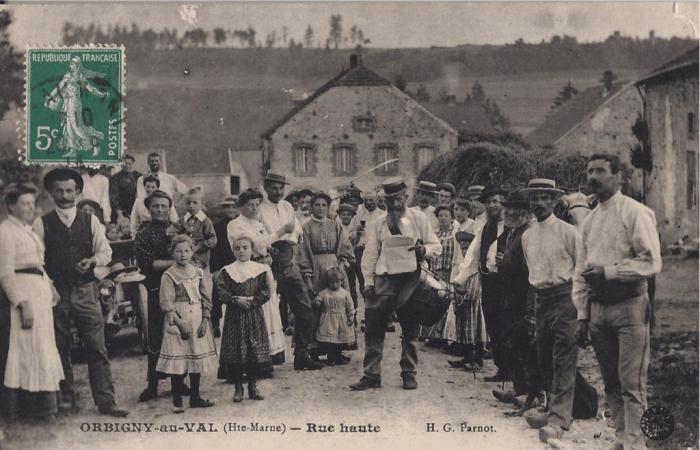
{"points": [[608, 130], [332, 119], [669, 104]]}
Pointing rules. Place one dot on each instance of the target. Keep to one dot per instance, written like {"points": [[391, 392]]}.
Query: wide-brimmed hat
{"points": [[542, 185], [393, 186], [229, 201], [62, 173], [449, 187], [491, 191], [473, 191], [119, 273], [426, 186], [275, 177], [346, 207], [516, 199]]}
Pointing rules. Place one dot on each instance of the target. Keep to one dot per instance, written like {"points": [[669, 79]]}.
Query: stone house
{"points": [[349, 125], [598, 119], [670, 95]]}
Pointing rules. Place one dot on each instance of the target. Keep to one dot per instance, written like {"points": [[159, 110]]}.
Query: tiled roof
{"points": [[191, 122], [463, 117], [687, 59], [354, 76], [570, 114]]}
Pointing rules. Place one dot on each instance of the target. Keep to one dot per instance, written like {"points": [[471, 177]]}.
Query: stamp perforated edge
{"points": [[23, 121]]}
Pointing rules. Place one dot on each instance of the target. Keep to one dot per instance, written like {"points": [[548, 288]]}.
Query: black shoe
{"points": [[352, 346], [253, 392], [409, 381], [199, 402], [456, 363], [504, 396], [331, 362], [148, 394], [112, 410], [238, 394], [302, 362], [366, 383]]}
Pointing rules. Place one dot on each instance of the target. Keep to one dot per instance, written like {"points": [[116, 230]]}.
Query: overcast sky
{"points": [[386, 24]]}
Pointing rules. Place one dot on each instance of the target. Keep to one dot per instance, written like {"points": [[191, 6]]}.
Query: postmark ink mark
{"points": [[657, 423]]}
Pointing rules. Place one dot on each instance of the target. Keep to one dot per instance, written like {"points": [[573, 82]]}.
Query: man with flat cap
{"points": [[74, 244], [280, 221], [483, 257], [388, 285]]}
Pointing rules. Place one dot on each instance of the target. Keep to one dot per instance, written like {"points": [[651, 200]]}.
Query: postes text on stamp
{"points": [[75, 105]]}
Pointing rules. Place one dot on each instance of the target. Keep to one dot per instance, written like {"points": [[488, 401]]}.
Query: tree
{"points": [[400, 83], [10, 68], [219, 35], [478, 94], [565, 94], [422, 94], [498, 120], [309, 37], [270, 39], [285, 32], [336, 32]]}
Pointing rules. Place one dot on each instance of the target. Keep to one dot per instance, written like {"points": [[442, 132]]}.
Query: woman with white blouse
{"points": [[33, 369]]}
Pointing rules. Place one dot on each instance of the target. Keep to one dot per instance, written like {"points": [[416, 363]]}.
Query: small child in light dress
{"points": [[335, 330], [188, 342]]}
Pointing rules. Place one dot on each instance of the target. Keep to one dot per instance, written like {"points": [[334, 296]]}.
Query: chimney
{"points": [[355, 60]]}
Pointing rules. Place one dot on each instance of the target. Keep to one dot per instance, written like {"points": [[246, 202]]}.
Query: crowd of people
{"points": [[525, 287]]}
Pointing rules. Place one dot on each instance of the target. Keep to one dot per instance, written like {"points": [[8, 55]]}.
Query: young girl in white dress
{"points": [[188, 342]]}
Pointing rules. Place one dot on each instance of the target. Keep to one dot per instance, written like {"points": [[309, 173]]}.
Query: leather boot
{"points": [[238, 394], [253, 392], [303, 361]]}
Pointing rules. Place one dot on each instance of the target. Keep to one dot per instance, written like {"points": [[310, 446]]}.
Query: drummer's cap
{"points": [[394, 186]]}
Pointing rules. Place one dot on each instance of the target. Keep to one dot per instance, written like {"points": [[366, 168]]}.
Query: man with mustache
{"points": [[392, 290], [620, 251], [74, 244], [553, 251]]}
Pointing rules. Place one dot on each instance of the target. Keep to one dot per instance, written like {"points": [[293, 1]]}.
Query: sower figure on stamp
{"points": [[385, 293], [621, 250], [279, 219], [74, 244], [552, 249]]}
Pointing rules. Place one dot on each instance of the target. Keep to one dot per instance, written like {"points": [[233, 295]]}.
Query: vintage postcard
{"points": [[331, 225]]}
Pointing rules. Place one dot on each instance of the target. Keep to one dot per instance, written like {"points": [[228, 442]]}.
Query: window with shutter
{"points": [[304, 160], [385, 152], [344, 159]]}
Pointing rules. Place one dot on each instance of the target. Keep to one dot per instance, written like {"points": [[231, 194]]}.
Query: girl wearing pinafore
{"points": [[244, 286], [336, 326], [188, 342]]}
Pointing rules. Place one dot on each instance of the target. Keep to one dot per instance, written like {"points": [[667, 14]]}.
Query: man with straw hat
{"points": [[553, 251], [426, 194], [388, 285]]}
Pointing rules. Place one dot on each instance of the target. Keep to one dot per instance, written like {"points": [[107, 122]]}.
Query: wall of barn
{"points": [[672, 115]]}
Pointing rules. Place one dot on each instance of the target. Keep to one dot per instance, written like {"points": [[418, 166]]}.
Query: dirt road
{"points": [[446, 397]]}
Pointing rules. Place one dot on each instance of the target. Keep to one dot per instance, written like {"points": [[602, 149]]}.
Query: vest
{"points": [[65, 247], [490, 234]]}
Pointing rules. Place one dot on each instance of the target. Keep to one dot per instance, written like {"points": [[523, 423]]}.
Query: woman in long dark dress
{"points": [[244, 286], [153, 257]]}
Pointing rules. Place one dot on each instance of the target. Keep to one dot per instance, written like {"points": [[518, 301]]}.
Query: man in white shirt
{"points": [[552, 250], [476, 208], [279, 219], [482, 257], [621, 250], [392, 290], [426, 195], [74, 244], [168, 183], [96, 188]]}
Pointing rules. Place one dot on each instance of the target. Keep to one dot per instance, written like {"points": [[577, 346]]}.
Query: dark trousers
{"points": [[351, 272], [520, 357], [377, 313], [292, 289], [557, 350], [359, 251], [4, 346], [156, 318], [216, 311], [80, 304], [492, 305]]}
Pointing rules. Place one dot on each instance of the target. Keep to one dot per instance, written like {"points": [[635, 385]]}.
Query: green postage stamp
{"points": [[74, 105]]}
